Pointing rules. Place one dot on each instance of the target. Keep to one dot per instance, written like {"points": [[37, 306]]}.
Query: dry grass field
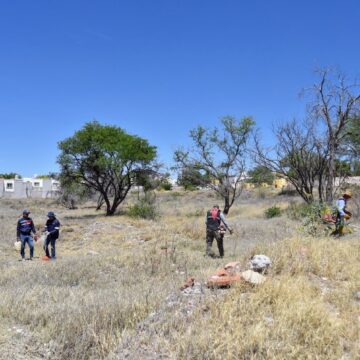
{"points": [[113, 293]]}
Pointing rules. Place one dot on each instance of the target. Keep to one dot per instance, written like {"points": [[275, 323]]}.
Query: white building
{"points": [[29, 188]]}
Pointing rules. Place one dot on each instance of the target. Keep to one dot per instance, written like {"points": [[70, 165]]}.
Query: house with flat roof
{"points": [[29, 188]]}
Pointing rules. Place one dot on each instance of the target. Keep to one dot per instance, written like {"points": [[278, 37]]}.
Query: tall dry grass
{"points": [[112, 273], [306, 309]]}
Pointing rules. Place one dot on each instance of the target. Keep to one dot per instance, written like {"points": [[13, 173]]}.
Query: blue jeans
{"points": [[50, 240], [26, 239]]}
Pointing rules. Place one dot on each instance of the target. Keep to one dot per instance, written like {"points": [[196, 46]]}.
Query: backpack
{"points": [[213, 219]]}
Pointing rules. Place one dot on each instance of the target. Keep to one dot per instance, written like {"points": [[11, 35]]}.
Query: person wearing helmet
{"points": [[25, 226], [341, 213], [52, 227], [216, 226]]}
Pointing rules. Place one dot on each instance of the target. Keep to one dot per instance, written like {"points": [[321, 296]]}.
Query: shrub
{"points": [[165, 185], [310, 216], [143, 210], [272, 211]]}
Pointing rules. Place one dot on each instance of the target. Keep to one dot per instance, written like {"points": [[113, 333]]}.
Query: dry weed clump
{"points": [[112, 273], [82, 306], [306, 309]]}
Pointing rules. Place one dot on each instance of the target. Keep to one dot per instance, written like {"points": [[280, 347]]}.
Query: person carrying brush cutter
{"points": [[216, 225], [341, 214]]}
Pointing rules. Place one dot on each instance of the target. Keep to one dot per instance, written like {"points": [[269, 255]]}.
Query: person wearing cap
{"points": [[341, 213], [52, 227], [25, 226], [216, 226]]}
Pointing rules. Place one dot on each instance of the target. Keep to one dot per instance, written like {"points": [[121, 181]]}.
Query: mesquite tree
{"points": [[220, 154], [105, 159], [299, 155], [335, 102]]}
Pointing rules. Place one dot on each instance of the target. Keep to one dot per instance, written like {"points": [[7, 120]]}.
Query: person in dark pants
{"points": [[216, 225], [52, 227], [341, 213], [25, 226]]}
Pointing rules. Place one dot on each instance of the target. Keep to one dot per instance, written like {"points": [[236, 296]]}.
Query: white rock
{"points": [[253, 277]]}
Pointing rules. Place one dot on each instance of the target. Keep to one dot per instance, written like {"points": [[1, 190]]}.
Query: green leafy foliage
{"points": [[165, 184], [220, 154], [9, 176], [106, 160], [143, 210], [191, 178], [310, 217], [272, 211], [261, 174]]}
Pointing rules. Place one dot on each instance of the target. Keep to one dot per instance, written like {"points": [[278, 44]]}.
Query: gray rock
{"points": [[260, 263]]}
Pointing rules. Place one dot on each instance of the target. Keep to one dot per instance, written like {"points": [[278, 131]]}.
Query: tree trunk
{"points": [[227, 204], [100, 202], [108, 205], [321, 189], [331, 174]]}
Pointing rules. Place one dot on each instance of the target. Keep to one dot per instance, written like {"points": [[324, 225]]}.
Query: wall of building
{"points": [[28, 188]]}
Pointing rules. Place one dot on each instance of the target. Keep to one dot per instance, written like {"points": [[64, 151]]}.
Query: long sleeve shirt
{"points": [[25, 226], [341, 205], [52, 227], [222, 217]]}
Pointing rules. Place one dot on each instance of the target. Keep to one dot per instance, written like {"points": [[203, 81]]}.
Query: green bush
{"points": [[310, 216], [165, 185], [297, 211], [143, 210], [272, 211]]}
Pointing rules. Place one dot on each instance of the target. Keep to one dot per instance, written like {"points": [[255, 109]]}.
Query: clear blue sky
{"points": [[157, 68]]}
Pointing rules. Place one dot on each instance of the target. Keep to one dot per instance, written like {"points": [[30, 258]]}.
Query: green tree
{"points": [[353, 137], [191, 178], [9, 176], [105, 159], [221, 154], [351, 148], [261, 174]]}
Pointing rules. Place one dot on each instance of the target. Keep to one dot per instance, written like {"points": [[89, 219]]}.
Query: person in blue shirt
{"points": [[25, 226], [216, 226], [52, 227], [341, 213]]}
